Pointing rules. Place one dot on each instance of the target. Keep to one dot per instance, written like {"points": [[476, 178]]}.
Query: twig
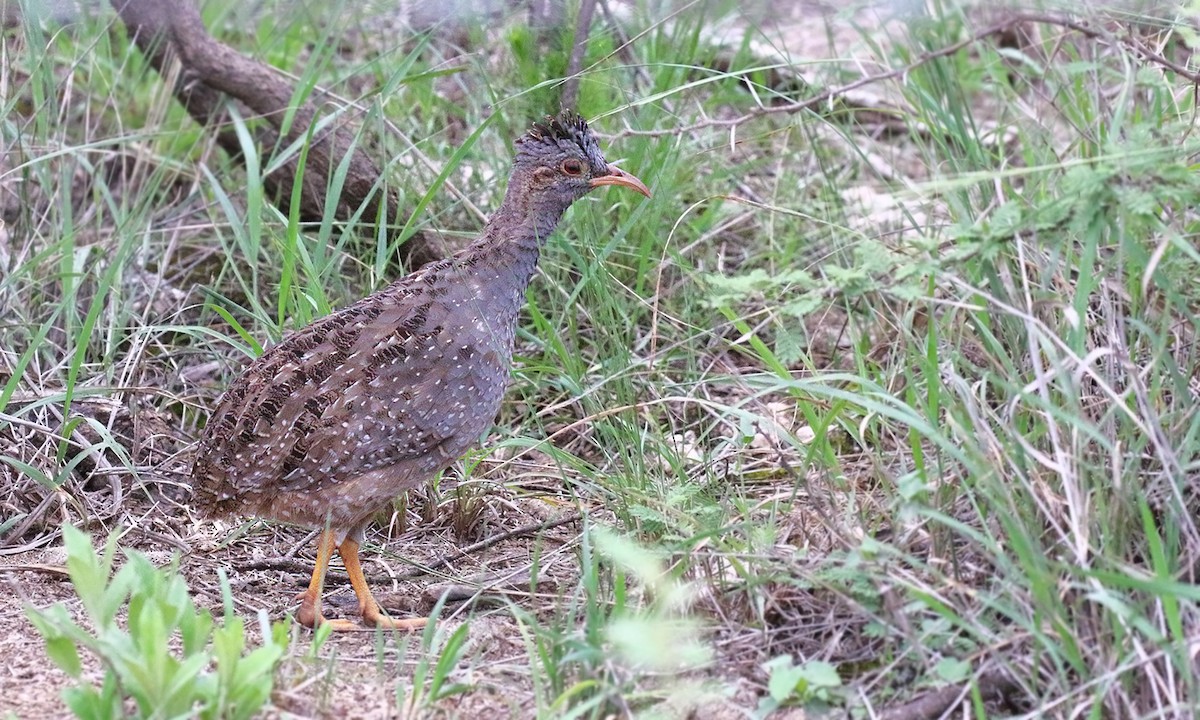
{"points": [[58, 570], [213, 73], [495, 539]]}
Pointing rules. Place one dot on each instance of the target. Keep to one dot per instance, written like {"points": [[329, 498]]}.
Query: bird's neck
{"points": [[504, 258], [524, 220], [514, 235]]}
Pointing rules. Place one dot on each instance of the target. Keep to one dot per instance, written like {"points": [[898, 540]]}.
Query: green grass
{"points": [[865, 402]]}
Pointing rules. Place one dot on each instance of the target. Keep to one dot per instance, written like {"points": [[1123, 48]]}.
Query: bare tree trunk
{"points": [[214, 74]]}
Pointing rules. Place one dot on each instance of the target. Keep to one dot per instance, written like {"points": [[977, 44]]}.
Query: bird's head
{"points": [[560, 162]]}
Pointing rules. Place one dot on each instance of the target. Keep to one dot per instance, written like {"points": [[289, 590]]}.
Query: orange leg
{"points": [[371, 614], [309, 614]]}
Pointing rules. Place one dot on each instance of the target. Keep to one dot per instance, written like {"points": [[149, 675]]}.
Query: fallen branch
{"points": [[993, 687], [213, 75]]}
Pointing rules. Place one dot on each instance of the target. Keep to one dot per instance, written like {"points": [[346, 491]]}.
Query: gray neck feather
{"points": [[510, 244]]}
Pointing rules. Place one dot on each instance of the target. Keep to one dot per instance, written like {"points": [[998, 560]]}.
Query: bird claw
{"points": [[340, 625], [385, 623], [310, 618], [378, 620], [309, 615]]}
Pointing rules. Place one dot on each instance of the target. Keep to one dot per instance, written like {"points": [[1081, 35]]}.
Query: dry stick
{"points": [[495, 539], [213, 73], [56, 570], [826, 95], [301, 566]]}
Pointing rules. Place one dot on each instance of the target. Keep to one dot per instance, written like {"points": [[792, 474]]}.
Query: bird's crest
{"points": [[567, 127]]}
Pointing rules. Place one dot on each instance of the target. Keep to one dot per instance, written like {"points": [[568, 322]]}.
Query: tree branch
{"points": [[214, 75]]}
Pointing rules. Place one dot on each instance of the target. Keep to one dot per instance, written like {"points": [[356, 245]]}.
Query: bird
{"points": [[328, 426]]}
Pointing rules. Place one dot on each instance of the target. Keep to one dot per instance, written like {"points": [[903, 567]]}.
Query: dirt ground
{"points": [[268, 566]]}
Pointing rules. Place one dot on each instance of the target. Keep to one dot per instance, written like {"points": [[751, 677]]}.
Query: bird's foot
{"points": [[311, 618], [374, 617], [340, 625], [309, 615]]}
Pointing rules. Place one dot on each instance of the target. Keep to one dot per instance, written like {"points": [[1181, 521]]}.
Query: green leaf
{"points": [[658, 641], [782, 678], [728, 289], [87, 704], [952, 670], [88, 573], [64, 653], [820, 675], [244, 334], [447, 661], [648, 515], [805, 305]]}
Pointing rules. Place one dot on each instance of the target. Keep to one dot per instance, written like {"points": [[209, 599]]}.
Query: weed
{"points": [[169, 659]]}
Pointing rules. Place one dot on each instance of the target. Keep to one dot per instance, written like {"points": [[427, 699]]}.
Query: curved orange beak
{"points": [[617, 176]]}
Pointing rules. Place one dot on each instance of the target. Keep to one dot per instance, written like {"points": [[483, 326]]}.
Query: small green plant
{"points": [[661, 635], [813, 682], [631, 615], [440, 656], [169, 659]]}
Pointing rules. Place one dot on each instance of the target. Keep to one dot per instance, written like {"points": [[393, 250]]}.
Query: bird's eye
{"points": [[572, 167]]}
